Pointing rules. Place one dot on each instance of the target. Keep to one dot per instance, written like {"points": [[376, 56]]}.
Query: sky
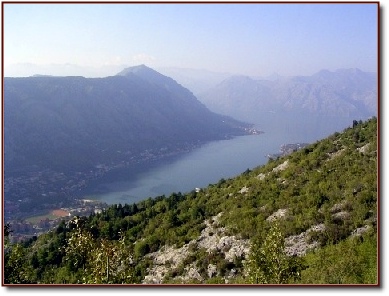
{"points": [[97, 40]]}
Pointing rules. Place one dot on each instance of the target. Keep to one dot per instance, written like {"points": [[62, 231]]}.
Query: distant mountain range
{"points": [[316, 105], [76, 122]]}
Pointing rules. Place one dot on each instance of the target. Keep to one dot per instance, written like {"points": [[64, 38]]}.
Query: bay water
{"points": [[196, 169]]}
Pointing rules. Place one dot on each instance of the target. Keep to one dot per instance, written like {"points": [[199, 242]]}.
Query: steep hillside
{"points": [[317, 105], [77, 123], [316, 206]]}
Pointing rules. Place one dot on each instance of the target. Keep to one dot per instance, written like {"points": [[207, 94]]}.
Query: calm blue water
{"points": [[199, 168]]}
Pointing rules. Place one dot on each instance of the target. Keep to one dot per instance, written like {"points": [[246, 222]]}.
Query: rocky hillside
{"points": [[322, 198]]}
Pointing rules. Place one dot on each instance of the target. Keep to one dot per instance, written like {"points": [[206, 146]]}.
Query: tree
{"points": [[268, 263], [98, 261], [79, 245], [16, 268], [110, 263]]}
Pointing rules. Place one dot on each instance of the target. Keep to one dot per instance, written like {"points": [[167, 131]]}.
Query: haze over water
{"points": [[198, 168]]}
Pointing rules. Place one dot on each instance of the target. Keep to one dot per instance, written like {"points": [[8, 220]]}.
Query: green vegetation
{"points": [[310, 218], [268, 264]]}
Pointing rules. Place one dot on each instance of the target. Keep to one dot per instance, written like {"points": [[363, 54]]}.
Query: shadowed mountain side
{"points": [[75, 122]]}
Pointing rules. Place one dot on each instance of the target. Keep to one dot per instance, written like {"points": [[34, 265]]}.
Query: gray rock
{"points": [[281, 213]]}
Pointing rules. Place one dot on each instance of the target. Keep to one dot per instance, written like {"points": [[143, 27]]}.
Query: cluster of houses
{"points": [[23, 229]]}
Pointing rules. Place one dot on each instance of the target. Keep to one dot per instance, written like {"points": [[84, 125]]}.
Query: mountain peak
{"points": [[136, 70], [151, 76], [146, 73]]}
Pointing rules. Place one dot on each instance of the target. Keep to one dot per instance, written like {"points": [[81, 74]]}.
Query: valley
{"points": [[44, 178], [61, 133], [44, 191], [183, 144], [320, 201]]}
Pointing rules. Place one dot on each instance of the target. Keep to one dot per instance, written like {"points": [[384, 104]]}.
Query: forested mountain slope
{"points": [[307, 218], [75, 123]]}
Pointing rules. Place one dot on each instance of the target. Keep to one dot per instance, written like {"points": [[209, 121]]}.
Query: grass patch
{"points": [[54, 214]]}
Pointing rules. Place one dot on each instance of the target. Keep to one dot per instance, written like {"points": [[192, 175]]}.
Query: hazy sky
{"points": [[251, 39]]}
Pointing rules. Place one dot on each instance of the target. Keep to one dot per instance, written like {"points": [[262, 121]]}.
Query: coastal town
{"points": [[32, 197], [23, 229], [39, 199], [287, 149]]}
